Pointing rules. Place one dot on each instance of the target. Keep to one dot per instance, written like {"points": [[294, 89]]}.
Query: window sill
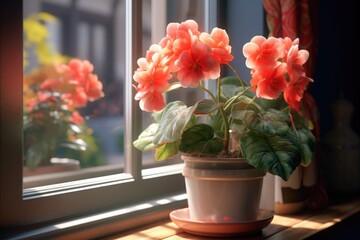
{"points": [[307, 225], [151, 221], [102, 224]]}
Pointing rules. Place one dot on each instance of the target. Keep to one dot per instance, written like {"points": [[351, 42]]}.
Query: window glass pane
{"points": [[99, 37], [83, 40], [68, 122], [154, 29]]}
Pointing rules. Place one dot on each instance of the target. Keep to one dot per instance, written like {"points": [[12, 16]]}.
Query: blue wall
{"points": [[245, 19]]}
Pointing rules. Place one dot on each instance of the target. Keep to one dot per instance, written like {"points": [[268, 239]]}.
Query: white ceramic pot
{"points": [[222, 190]]}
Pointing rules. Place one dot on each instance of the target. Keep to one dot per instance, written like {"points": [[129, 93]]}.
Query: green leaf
{"points": [[245, 103], [230, 80], [200, 139], [167, 150], [272, 121], [276, 154], [237, 126], [231, 86], [145, 139], [206, 106], [216, 120], [174, 118], [307, 143]]}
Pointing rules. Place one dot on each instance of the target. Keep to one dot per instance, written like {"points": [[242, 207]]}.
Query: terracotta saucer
{"points": [[210, 229]]}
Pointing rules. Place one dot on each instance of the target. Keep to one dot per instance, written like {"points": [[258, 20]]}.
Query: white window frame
{"points": [[84, 208]]}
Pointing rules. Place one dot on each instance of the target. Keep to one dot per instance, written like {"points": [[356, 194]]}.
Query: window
{"points": [[89, 30], [95, 30], [93, 200], [107, 194]]}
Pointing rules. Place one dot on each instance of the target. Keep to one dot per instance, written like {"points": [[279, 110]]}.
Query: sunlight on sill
{"points": [[316, 225], [309, 222], [116, 220], [122, 211], [102, 216], [161, 232]]}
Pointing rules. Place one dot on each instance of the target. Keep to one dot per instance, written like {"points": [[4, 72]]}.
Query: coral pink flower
{"points": [[263, 53], [295, 59], [218, 41], [93, 88], [195, 65], [60, 85], [77, 98], [288, 43], [176, 30], [276, 66], [270, 83], [179, 37], [43, 96], [151, 101], [77, 83], [295, 91], [79, 69], [152, 77], [77, 118]]}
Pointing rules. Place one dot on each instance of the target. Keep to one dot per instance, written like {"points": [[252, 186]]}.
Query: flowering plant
{"points": [[264, 117], [55, 87], [52, 95]]}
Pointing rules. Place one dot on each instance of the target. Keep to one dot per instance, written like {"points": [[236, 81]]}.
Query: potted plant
{"points": [[54, 130], [56, 87], [261, 119]]}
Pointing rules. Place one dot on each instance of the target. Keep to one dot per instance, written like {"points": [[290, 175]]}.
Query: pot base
{"points": [[210, 229]]}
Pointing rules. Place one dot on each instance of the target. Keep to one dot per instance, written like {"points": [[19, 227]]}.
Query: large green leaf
{"points": [[272, 121], [200, 139], [145, 139], [277, 154], [174, 119]]}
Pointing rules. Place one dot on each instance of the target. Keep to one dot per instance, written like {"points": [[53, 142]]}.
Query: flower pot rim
{"points": [[213, 159], [223, 175]]}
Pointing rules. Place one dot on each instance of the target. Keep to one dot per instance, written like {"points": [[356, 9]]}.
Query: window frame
{"points": [[17, 210], [44, 207]]}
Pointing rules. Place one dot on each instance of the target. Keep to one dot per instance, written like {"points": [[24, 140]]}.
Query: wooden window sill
{"points": [[307, 224]]}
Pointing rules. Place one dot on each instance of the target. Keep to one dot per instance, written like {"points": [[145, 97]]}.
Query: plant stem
{"points": [[219, 88], [226, 130], [208, 91], [243, 84], [223, 114]]}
